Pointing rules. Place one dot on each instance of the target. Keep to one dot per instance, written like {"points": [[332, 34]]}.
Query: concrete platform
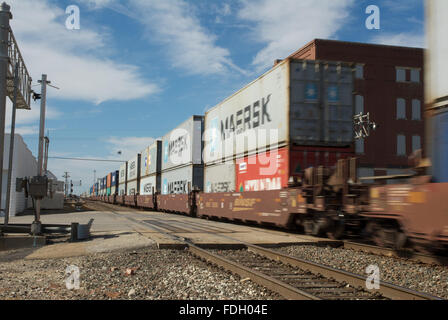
{"points": [[121, 228]]}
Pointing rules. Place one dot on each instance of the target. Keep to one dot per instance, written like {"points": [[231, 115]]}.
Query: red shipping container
{"points": [[271, 170], [109, 180]]}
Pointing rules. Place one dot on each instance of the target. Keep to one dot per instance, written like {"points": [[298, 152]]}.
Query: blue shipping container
{"points": [[115, 176], [440, 146]]}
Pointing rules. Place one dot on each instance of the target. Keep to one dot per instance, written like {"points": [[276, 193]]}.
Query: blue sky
{"points": [[138, 68]]}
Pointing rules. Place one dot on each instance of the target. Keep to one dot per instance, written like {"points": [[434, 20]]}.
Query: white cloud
{"points": [[286, 25], [406, 39], [174, 24], [73, 59]]}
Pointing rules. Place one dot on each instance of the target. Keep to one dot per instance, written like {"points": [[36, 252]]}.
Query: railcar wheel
{"points": [[336, 230]]}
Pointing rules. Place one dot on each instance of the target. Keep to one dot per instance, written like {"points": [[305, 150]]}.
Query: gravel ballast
{"points": [[421, 277], [139, 274]]}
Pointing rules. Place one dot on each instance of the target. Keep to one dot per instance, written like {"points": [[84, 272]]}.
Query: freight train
{"points": [[226, 165]]}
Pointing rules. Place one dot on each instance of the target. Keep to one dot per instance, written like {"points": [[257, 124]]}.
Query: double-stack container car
{"points": [[182, 166], [150, 175], [297, 115]]}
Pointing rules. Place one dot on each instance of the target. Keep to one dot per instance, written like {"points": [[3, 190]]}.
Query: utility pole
{"points": [[36, 226], [5, 16], [66, 176]]}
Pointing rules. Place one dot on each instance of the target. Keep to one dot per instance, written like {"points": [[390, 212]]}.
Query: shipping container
{"points": [[436, 88], [183, 145], [122, 179], [220, 177], [440, 142], [272, 170], [151, 158], [150, 184], [133, 177], [177, 181], [109, 180], [436, 62], [300, 102]]}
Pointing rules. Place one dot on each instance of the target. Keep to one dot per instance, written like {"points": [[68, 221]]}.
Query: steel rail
{"points": [[388, 290], [409, 255], [282, 288]]}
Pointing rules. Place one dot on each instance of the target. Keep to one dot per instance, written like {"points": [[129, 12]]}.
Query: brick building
{"points": [[389, 85]]}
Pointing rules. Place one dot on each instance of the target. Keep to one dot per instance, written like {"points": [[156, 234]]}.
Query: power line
{"points": [[84, 159]]}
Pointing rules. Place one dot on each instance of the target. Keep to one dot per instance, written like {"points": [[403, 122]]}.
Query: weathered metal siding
{"points": [[123, 179], [232, 127], [436, 88], [276, 207], [174, 203], [150, 183], [220, 177], [176, 181], [132, 188], [436, 63], [265, 171], [151, 159], [134, 168], [272, 170], [146, 201], [440, 143], [183, 145], [321, 107]]}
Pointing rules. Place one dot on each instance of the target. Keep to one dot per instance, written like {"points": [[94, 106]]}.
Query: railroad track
{"points": [[292, 278], [404, 254]]}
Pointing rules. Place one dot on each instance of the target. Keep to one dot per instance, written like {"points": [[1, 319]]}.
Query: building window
{"points": [[401, 108], [359, 104], [416, 143], [401, 145], [401, 74], [415, 75], [359, 71], [359, 146], [416, 109]]}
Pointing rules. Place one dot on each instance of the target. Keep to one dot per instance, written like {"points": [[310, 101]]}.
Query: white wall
{"points": [[24, 165]]}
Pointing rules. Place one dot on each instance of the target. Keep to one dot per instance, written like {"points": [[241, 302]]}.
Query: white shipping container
{"points": [[150, 159], [177, 180], [306, 102], [183, 145], [122, 189], [436, 56], [132, 188], [133, 168], [220, 177], [148, 183]]}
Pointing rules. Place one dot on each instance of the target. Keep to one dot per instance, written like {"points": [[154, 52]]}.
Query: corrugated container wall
{"points": [[220, 177], [178, 180], [436, 88], [151, 159], [133, 177], [296, 102], [122, 180], [183, 145]]}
